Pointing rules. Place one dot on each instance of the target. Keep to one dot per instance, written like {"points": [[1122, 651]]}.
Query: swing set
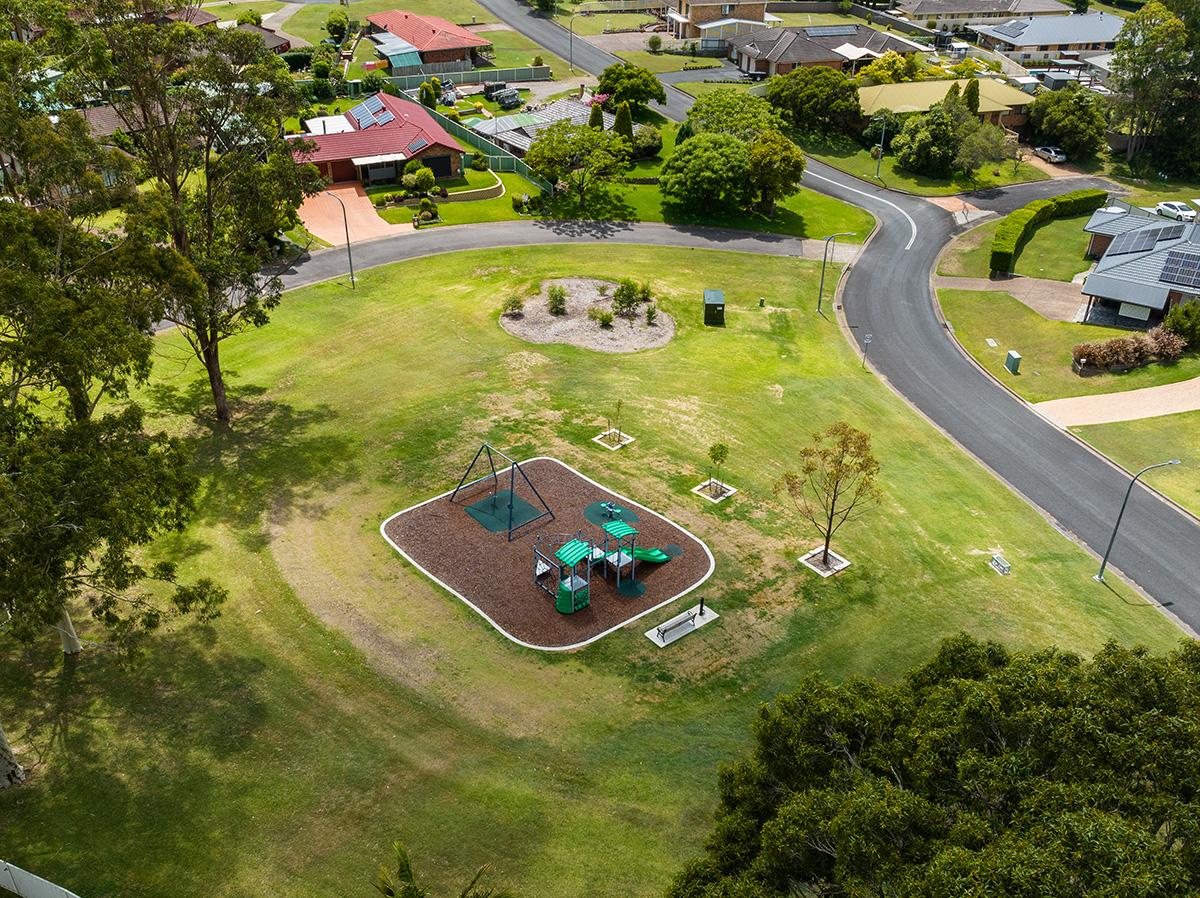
{"points": [[502, 510]]}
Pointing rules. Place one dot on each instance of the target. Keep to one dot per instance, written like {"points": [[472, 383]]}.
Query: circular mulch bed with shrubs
{"points": [[574, 311]]}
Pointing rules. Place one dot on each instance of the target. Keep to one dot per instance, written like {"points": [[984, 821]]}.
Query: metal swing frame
{"points": [[514, 468]]}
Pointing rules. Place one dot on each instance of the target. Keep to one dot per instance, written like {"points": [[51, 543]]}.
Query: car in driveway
{"points": [[1051, 154], [1177, 211]]}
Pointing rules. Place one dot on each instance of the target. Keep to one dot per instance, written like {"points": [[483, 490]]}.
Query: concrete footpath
{"points": [[1109, 408]]}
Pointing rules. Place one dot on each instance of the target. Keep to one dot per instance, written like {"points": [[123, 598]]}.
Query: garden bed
{"points": [[495, 576], [537, 325]]}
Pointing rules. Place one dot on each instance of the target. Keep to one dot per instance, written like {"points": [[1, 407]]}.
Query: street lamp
{"points": [[882, 139], [866, 348], [571, 43], [346, 225], [824, 255], [1104, 562]]}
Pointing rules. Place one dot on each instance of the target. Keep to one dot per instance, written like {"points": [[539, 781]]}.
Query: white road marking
{"points": [[912, 224]]}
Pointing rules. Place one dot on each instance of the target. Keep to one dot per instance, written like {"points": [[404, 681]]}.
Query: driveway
{"points": [[1054, 300], [1131, 405], [322, 215]]}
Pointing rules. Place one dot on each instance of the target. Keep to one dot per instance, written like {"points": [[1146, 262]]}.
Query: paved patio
{"points": [[1055, 300], [322, 215]]}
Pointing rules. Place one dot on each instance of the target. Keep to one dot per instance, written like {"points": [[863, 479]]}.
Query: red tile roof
{"points": [[427, 32], [410, 123]]}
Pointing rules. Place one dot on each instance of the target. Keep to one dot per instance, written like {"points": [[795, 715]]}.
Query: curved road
{"points": [[887, 294]]}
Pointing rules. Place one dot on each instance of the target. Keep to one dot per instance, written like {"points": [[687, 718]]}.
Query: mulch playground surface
{"points": [[496, 575]]}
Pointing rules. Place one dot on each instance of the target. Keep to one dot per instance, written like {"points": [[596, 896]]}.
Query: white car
{"points": [[1051, 154], [1177, 211]]}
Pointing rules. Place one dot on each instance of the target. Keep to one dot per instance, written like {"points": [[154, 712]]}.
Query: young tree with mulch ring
{"points": [[836, 481], [718, 453]]}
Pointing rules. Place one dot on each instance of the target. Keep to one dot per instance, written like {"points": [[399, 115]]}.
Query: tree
{"points": [[883, 125], [776, 167], [372, 82], [337, 24], [426, 95], [225, 182], [836, 480], [578, 155], [249, 17], [890, 68], [1149, 69], [625, 82], [986, 144], [729, 111], [718, 454], [981, 772], [654, 43], [596, 117], [1080, 7], [546, 6], [817, 99], [971, 96], [401, 882], [927, 144], [647, 142], [710, 171], [1071, 118], [623, 124], [1184, 320]]}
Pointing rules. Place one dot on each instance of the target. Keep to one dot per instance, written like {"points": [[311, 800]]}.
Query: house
{"points": [[1148, 264], [272, 41], [192, 15], [955, 15], [428, 38], [999, 103], [713, 22], [372, 141], [1047, 37], [517, 132], [1101, 67], [776, 51]]}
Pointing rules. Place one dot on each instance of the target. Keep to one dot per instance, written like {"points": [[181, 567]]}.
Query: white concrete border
{"points": [[698, 622], [626, 439], [702, 490], [839, 563], [712, 564]]}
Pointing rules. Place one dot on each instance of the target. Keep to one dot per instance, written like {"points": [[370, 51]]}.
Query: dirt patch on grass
{"points": [[537, 325]]}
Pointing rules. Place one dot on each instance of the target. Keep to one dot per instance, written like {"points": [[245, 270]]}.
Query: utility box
{"points": [[714, 308], [1013, 362]]}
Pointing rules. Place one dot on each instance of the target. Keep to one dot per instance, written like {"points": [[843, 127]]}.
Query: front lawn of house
{"points": [[1135, 444], [1055, 251], [660, 63]]}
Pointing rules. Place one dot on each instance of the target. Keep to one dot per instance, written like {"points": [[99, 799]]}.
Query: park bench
{"points": [[689, 619]]}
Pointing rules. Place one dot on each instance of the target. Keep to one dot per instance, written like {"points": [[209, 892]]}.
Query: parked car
{"points": [[1177, 211], [1051, 154]]}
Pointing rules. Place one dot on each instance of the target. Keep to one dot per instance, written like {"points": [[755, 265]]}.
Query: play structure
{"points": [[502, 510], [571, 567]]}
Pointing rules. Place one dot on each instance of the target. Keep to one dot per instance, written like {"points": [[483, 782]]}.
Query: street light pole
{"points": [[866, 348], [346, 225], [571, 43], [882, 139], [1104, 562], [824, 259]]}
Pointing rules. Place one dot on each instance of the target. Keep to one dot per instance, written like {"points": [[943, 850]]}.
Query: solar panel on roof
{"points": [[1182, 267], [372, 104], [831, 31], [1137, 241], [419, 144], [1172, 232], [1121, 244], [384, 117], [363, 115]]}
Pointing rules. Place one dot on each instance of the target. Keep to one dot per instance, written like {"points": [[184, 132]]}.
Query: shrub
{"points": [[1184, 321], [454, 115], [647, 142], [1130, 351], [1166, 344], [644, 292], [1016, 227], [442, 192], [518, 203], [426, 204], [844, 6], [320, 69], [424, 179], [537, 60], [322, 89], [651, 315], [381, 200], [603, 317], [372, 82], [298, 59], [556, 302], [654, 43], [513, 306], [626, 298], [480, 162], [426, 215]]}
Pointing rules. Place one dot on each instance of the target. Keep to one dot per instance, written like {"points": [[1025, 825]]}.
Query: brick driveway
{"points": [[322, 216]]}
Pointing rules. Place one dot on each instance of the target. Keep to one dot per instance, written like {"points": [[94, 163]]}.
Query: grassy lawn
{"points": [[469, 180], [495, 209], [309, 21], [364, 51], [227, 11], [1054, 252], [699, 88], [343, 701], [1045, 348], [325, 107], [665, 62], [1135, 444], [513, 50], [597, 22], [646, 168], [466, 106], [854, 159]]}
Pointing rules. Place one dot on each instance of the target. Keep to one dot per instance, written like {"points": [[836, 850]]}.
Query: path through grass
{"points": [[343, 701]]}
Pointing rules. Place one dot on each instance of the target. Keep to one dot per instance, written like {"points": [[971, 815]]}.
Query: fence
{"points": [[26, 885], [475, 76], [499, 159]]}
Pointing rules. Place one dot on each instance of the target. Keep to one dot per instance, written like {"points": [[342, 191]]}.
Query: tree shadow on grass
{"points": [[605, 213], [273, 457]]}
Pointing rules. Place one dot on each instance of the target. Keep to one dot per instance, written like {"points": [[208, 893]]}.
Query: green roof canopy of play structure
{"points": [[573, 552], [619, 529]]}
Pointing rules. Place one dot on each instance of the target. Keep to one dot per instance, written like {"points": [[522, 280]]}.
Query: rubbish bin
{"points": [[1013, 362], [714, 308]]}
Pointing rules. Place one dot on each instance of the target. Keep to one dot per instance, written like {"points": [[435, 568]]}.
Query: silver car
{"points": [[1177, 211], [1051, 154]]}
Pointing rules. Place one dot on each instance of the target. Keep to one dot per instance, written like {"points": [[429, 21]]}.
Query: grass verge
{"points": [[1135, 444]]}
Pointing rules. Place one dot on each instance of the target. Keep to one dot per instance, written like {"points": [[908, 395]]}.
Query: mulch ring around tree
{"points": [[496, 576], [536, 325]]}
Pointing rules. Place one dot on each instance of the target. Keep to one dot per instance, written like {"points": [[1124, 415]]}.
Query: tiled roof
{"points": [[817, 43], [427, 32], [1067, 29], [270, 39], [1137, 277], [193, 15], [411, 122], [1119, 218]]}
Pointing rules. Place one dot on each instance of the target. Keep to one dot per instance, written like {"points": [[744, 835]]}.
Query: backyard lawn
{"points": [[227, 11], [667, 62], [1135, 444], [1055, 251], [513, 50], [1045, 347], [343, 701], [308, 22], [854, 159]]}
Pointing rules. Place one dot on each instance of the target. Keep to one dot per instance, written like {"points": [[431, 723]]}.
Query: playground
{"points": [[548, 556]]}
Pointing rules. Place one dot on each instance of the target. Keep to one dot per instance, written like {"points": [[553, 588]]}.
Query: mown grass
{"points": [[700, 88], [596, 23], [1055, 251], [231, 10], [1135, 444], [660, 63], [1045, 347], [343, 701], [309, 21]]}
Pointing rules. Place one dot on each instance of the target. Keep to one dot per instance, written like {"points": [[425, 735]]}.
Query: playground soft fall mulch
{"points": [[496, 576]]}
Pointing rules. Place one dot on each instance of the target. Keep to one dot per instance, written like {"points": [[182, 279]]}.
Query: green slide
{"points": [[658, 556]]}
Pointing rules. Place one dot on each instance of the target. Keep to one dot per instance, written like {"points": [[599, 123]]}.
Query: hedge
{"points": [[1016, 226]]}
